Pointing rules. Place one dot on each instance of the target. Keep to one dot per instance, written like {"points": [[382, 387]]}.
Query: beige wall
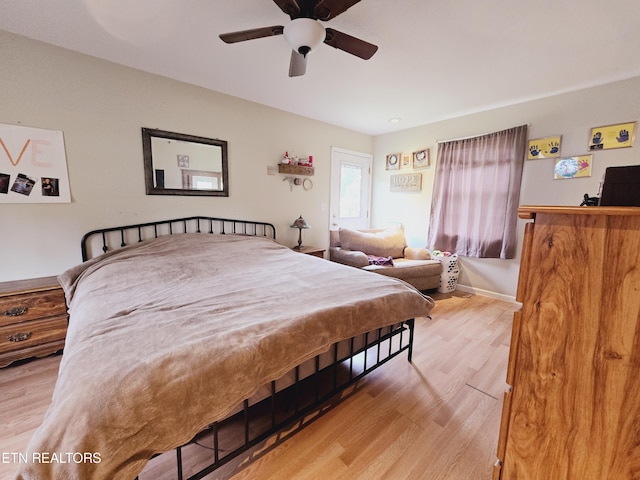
{"points": [[571, 115], [101, 108]]}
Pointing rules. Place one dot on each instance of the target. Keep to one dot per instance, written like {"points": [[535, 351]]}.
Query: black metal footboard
{"points": [[258, 420]]}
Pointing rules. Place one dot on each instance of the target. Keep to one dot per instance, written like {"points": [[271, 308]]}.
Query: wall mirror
{"points": [[179, 164]]}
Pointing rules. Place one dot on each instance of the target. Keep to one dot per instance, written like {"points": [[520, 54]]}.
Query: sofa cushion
{"points": [[417, 253], [386, 243], [422, 274], [348, 257], [406, 269]]}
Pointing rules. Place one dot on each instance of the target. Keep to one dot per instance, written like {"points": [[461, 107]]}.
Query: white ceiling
{"points": [[437, 59]]}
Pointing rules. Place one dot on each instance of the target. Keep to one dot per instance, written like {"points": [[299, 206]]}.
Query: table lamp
{"points": [[299, 223]]}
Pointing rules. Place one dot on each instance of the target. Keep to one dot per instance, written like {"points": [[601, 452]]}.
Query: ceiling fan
{"points": [[305, 32]]}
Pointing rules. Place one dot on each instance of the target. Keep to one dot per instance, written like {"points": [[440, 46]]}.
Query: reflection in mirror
{"points": [[179, 164]]}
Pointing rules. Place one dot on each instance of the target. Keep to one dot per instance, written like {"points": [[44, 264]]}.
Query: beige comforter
{"points": [[167, 336]]}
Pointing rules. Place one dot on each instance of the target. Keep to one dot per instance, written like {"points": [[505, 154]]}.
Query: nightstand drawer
{"points": [[31, 306], [33, 333]]}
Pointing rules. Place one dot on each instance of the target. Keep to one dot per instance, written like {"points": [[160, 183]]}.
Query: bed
{"points": [[178, 327]]}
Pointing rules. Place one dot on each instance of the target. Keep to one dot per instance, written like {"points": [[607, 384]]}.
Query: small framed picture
{"points": [[612, 136], [406, 161], [393, 161], [421, 158], [183, 161], [547, 147], [573, 167]]}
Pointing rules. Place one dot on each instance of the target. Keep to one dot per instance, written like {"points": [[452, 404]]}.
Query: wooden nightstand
{"points": [[33, 319], [315, 251]]}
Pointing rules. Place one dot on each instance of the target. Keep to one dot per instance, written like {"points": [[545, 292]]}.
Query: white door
{"points": [[350, 188]]}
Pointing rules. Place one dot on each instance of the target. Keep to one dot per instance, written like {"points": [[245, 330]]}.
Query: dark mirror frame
{"points": [[149, 133]]}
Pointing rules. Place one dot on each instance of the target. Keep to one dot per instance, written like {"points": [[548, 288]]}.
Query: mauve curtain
{"points": [[476, 194]]}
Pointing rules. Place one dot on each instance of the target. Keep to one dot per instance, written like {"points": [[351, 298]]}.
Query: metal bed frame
{"points": [[306, 396], [144, 231]]}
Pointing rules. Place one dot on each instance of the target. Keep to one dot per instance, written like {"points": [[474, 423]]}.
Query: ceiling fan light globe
{"points": [[304, 34]]}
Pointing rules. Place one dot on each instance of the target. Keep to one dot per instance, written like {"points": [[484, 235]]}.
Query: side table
{"points": [[315, 251], [33, 319]]}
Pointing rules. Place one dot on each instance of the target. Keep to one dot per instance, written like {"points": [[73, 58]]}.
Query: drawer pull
{"points": [[16, 312], [19, 337]]}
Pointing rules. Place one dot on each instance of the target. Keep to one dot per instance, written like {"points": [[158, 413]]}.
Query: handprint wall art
{"points": [[548, 147], [612, 136], [573, 167]]}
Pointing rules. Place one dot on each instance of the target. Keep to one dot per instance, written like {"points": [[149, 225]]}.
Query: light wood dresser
{"points": [[33, 319], [573, 409]]}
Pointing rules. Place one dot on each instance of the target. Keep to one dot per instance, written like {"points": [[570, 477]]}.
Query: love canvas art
{"points": [[33, 166]]}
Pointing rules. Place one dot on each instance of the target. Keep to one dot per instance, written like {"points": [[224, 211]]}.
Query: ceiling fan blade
{"points": [[252, 34], [298, 64], [328, 9], [290, 7], [350, 44]]}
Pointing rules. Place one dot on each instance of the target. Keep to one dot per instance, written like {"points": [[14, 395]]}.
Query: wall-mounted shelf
{"points": [[295, 169]]}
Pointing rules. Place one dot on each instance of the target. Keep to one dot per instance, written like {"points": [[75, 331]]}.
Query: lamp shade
{"points": [[304, 34], [300, 223]]}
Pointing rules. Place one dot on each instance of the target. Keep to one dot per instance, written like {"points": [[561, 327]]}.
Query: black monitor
{"points": [[621, 187]]}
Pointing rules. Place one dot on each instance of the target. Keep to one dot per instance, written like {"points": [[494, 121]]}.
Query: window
{"points": [[350, 190], [476, 194], [201, 180]]}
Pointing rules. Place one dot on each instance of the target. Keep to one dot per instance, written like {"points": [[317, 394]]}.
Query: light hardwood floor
{"points": [[436, 418]]}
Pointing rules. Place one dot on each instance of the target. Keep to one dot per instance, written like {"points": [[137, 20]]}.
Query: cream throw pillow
{"points": [[387, 243]]}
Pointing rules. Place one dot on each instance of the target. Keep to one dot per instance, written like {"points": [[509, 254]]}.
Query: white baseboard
{"points": [[486, 293]]}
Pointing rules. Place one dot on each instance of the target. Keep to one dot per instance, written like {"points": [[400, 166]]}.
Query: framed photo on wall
{"points": [[393, 161], [183, 161], [421, 158], [612, 136], [547, 147], [573, 167]]}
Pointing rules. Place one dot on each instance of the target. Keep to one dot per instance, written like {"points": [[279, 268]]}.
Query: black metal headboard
{"points": [[115, 237]]}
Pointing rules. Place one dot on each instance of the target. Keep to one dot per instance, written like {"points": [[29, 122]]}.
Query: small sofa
{"points": [[385, 251]]}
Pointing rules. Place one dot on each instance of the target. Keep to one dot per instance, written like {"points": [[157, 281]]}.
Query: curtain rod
{"points": [[474, 136]]}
